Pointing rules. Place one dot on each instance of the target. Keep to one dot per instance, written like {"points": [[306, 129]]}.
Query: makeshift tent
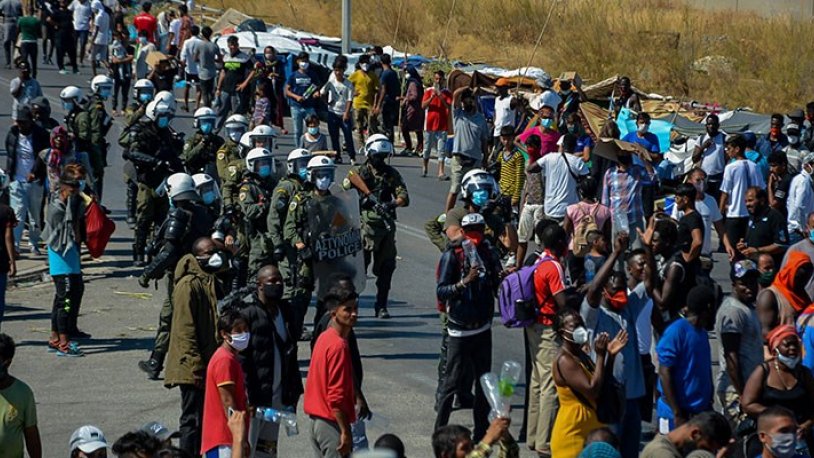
{"points": [[603, 90], [661, 128]]}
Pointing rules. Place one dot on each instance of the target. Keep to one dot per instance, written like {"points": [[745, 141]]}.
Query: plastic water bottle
{"points": [[509, 376], [620, 222], [287, 419], [471, 253], [590, 269]]}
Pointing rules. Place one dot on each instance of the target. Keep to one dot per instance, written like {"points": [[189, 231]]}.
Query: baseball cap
{"points": [[159, 431], [88, 438], [473, 219], [742, 268], [503, 82]]}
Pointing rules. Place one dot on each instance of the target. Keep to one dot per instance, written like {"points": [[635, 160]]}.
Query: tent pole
{"points": [[346, 16], [536, 45]]}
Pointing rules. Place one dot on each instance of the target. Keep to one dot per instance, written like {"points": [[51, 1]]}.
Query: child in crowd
{"points": [[512, 166], [262, 104], [599, 253], [312, 139]]}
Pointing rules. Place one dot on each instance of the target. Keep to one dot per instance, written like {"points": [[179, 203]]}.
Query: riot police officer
{"points": [[151, 146], [207, 189], [284, 254], [73, 101], [200, 149], [93, 128], [143, 93], [187, 221], [229, 162], [255, 200], [381, 190]]}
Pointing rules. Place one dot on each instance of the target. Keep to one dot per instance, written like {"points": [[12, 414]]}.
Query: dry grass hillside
{"points": [[766, 64]]}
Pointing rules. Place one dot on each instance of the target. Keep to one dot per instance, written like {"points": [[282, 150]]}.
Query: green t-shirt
{"points": [[29, 28], [17, 412]]}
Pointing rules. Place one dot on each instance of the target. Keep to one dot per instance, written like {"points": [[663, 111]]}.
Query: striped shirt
{"points": [[512, 174], [622, 191]]}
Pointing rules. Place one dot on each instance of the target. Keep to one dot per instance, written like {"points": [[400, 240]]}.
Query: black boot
{"points": [[138, 255], [152, 366], [381, 305]]}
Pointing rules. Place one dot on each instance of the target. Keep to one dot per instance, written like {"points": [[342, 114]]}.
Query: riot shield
{"points": [[336, 240]]}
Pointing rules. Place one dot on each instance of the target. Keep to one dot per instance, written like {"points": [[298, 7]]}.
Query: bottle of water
{"points": [[590, 269], [471, 253], [287, 419], [620, 222], [509, 377]]}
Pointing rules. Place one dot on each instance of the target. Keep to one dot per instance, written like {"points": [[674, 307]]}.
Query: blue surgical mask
{"points": [[313, 130], [163, 122], [67, 106], [206, 127], [547, 122], [235, 135], [104, 93], [145, 97], [209, 197], [480, 197], [811, 235], [81, 184], [264, 171], [303, 174], [323, 183]]}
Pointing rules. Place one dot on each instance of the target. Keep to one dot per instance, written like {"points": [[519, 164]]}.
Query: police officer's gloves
{"points": [[370, 202], [144, 281], [278, 254]]}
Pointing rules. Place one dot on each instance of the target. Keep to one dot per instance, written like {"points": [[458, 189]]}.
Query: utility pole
{"points": [[346, 27]]}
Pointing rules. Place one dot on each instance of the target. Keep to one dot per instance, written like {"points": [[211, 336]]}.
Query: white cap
{"points": [[472, 219], [88, 439]]}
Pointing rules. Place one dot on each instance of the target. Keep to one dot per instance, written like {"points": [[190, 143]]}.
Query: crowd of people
{"points": [[615, 296]]}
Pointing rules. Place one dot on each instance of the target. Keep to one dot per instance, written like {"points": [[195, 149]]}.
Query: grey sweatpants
{"points": [[324, 438]]}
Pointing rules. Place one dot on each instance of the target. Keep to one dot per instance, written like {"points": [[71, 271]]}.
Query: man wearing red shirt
{"points": [[330, 399], [224, 386], [549, 285], [146, 21], [436, 102]]}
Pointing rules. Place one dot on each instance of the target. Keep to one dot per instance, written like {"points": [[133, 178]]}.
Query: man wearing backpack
{"points": [[467, 281], [549, 288]]}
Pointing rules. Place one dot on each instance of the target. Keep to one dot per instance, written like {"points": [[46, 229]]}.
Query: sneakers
{"points": [[72, 350], [382, 313], [63, 72], [152, 367]]}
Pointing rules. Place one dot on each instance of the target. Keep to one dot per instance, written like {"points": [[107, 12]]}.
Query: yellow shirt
{"points": [[365, 88], [17, 412]]}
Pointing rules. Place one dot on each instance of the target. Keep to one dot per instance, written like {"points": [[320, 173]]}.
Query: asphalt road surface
{"points": [[106, 388]]}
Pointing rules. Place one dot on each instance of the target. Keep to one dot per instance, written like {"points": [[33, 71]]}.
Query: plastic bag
{"points": [[99, 228]]}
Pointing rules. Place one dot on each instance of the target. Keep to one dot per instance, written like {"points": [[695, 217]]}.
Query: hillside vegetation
{"points": [[763, 63]]}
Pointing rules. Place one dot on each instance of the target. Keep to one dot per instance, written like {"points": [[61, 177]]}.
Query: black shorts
{"points": [[191, 78]]}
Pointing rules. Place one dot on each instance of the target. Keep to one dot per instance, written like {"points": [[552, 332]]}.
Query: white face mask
{"points": [[788, 361], [793, 139], [240, 341], [215, 261], [579, 335], [303, 65], [643, 128], [323, 183], [364, 67]]}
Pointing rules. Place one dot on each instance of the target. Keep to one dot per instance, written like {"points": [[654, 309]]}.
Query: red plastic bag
{"points": [[99, 228]]}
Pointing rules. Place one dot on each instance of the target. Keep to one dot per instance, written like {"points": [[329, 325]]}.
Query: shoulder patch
{"points": [[242, 196], [292, 206], [221, 156], [232, 170]]}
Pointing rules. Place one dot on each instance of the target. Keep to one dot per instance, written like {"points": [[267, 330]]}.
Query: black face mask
{"points": [[3, 370], [273, 291], [376, 161]]}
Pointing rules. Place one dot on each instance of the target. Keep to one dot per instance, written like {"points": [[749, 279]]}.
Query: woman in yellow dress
{"points": [[578, 380]]}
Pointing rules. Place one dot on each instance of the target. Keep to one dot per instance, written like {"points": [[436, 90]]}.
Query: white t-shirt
{"points": [[504, 115], [560, 186], [81, 15], [25, 158], [713, 158], [710, 214], [738, 177], [800, 202], [339, 95], [175, 30], [188, 55], [102, 24]]}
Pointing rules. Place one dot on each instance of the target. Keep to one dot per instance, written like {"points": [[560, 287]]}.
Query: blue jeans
{"points": [[3, 284], [629, 431], [26, 200], [335, 123], [298, 115]]}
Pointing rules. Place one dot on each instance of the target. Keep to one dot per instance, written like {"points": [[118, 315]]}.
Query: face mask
{"points": [[774, 131], [793, 139], [264, 171], [313, 130], [214, 263], [480, 197], [303, 65], [273, 291], [643, 128], [206, 128], [573, 130], [618, 301], [163, 122], [699, 186], [784, 445], [364, 67], [81, 184], [766, 278], [579, 335], [303, 174], [209, 197], [788, 361], [323, 183], [269, 57], [240, 341], [104, 93], [144, 98], [67, 106], [546, 123], [235, 135]]}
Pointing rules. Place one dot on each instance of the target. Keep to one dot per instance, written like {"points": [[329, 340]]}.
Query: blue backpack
{"points": [[517, 297]]}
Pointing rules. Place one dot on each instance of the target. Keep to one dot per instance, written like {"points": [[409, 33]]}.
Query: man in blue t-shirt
{"points": [[685, 364], [649, 142], [389, 92], [301, 90]]}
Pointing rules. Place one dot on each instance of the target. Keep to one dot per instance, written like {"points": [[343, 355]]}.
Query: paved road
{"points": [[107, 389]]}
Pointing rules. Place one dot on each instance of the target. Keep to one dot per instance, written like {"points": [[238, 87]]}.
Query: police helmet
{"points": [[378, 144], [101, 83], [321, 166], [258, 154], [203, 114], [207, 188], [477, 179], [297, 160], [144, 90], [181, 186]]}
